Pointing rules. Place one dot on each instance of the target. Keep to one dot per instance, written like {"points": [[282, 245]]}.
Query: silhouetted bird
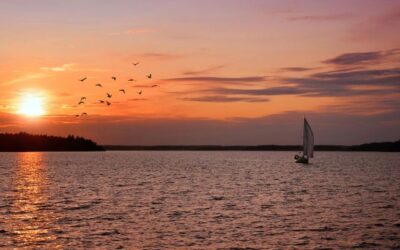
{"points": [[135, 64], [84, 114], [131, 80], [149, 76], [122, 90], [81, 102], [114, 78], [140, 92], [99, 85], [77, 115], [155, 85], [109, 95], [83, 98], [108, 103], [83, 79], [101, 101]]}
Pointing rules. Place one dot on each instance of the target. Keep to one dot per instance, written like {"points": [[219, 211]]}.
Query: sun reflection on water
{"points": [[31, 219]]}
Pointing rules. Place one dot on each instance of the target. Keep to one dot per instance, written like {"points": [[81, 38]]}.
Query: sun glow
{"points": [[31, 105]]}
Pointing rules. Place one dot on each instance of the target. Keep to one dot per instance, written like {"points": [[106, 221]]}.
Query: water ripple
{"points": [[199, 200]]}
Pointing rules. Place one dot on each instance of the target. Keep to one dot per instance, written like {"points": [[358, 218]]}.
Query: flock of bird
{"points": [[107, 101]]}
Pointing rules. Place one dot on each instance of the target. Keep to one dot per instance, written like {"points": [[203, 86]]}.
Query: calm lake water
{"points": [[199, 200]]}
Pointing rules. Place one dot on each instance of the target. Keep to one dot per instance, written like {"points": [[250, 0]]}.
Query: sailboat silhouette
{"points": [[308, 144]]}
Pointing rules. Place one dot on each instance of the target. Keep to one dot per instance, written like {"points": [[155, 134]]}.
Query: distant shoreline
{"points": [[369, 147], [23, 142]]}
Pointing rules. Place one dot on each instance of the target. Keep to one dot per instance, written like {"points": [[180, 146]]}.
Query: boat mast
{"points": [[305, 138]]}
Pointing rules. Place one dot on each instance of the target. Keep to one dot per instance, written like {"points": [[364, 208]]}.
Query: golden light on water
{"points": [[29, 221], [31, 105]]}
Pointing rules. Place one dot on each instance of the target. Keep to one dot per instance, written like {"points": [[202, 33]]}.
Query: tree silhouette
{"points": [[27, 142]]}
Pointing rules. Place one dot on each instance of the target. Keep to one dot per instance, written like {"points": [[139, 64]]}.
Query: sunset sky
{"points": [[229, 71]]}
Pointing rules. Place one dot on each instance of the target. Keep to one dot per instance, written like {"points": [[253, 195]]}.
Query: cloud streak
{"points": [[348, 82], [361, 57], [259, 92], [159, 56], [218, 80], [339, 83], [382, 25], [25, 78], [61, 68], [203, 71], [312, 18], [296, 69], [223, 98]]}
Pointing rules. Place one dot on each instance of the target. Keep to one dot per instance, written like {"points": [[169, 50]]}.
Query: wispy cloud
{"points": [[359, 77], [354, 79], [361, 57], [25, 78], [300, 91], [223, 98], [328, 17], [214, 80], [379, 24], [334, 83], [296, 69], [61, 68], [372, 105], [325, 84], [143, 86], [203, 71], [71, 67], [159, 56], [137, 99], [284, 90]]}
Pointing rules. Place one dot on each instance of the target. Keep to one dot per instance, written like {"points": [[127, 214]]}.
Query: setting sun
{"points": [[31, 105]]}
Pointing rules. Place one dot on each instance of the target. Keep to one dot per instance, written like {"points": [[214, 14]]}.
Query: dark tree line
{"points": [[379, 146], [27, 142]]}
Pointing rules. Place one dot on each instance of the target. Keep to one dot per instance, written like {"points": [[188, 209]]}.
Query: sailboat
{"points": [[308, 144]]}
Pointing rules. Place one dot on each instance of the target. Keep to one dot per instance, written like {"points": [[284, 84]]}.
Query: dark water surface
{"points": [[199, 200]]}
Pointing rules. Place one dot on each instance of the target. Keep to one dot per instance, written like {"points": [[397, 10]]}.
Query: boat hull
{"points": [[301, 159]]}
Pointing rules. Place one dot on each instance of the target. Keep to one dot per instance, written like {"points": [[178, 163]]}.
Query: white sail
{"points": [[308, 140]]}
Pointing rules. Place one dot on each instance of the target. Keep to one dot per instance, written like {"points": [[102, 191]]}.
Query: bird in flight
{"points": [[114, 78], [84, 114], [149, 76], [155, 85], [81, 102], [101, 101], [99, 85], [140, 92], [108, 103], [77, 115], [122, 90], [83, 98], [135, 64], [83, 79], [131, 80], [109, 95]]}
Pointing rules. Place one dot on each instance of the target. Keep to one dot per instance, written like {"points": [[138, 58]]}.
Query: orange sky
{"points": [[229, 63]]}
